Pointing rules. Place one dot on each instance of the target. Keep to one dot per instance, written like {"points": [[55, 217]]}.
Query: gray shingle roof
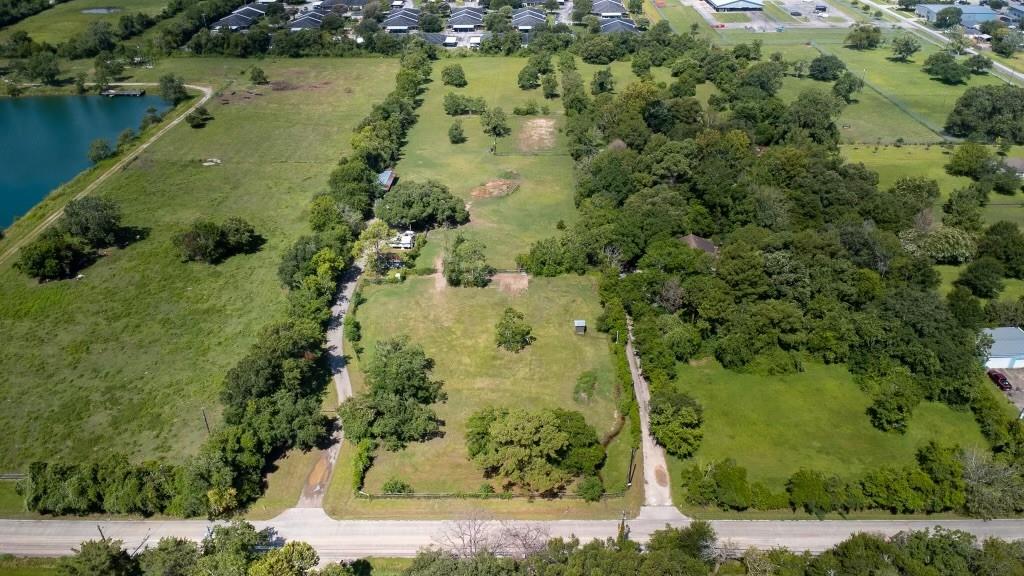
{"points": [[1008, 341], [608, 7]]}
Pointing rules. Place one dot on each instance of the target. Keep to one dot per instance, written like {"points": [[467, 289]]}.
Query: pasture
{"points": [[815, 419], [61, 22], [128, 357]]}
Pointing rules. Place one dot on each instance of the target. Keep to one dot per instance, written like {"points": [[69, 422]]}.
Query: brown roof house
{"points": [[702, 244]]}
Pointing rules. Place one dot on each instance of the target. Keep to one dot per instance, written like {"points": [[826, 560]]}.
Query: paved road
{"points": [[657, 489], [319, 477], [348, 539], [121, 164]]}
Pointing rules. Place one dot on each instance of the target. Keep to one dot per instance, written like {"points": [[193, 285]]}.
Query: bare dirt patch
{"points": [[495, 188], [511, 282], [283, 86], [439, 282], [537, 134]]}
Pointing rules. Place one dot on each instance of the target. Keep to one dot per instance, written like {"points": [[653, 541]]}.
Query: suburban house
{"points": [[402, 20], [613, 25], [526, 19], [698, 243], [970, 15], [241, 19], [344, 7], [466, 19], [1015, 11], [309, 20], [404, 241], [1007, 347], [609, 9], [736, 5]]}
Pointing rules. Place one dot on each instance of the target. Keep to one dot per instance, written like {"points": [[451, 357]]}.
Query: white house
{"points": [[404, 241]]}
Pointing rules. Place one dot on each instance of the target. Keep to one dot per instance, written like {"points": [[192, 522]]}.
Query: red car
{"points": [[1000, 380]]}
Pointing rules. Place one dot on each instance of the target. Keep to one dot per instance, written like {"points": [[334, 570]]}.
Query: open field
{"points": [[456, 328], [815, 419], [732, 17], [126, 358], [61, 22], [11, 566]]}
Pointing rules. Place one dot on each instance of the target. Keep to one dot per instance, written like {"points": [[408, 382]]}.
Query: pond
{"points": [[45, 142]]}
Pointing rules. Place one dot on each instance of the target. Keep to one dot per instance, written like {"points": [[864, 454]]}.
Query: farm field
{"points": [[815, 419], [61, 22], [127, 358]]}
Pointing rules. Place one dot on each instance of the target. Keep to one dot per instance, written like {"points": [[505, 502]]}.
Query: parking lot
{"points": [[777, 15]]}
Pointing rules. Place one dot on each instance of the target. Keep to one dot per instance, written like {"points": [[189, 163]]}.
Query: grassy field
{"points": [[732, 17], [681, 18], [815, 419], [456, 328], [126, 358], [61, 22], [11, 566]]}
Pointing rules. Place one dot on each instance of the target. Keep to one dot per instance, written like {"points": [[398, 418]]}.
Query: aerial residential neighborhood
{"points": [[503, 287]]}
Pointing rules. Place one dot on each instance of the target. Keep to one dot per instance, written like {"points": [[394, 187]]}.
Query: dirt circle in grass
{"points": [[511, 282], [537, 134], [495, 188]]}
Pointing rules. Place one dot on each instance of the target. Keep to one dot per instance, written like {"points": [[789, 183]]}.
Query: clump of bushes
{"points": [[460, 105], [60, 252], [210, 242]]}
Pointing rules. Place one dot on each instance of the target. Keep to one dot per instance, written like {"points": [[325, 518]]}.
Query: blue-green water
{"points": [[44, 142]]}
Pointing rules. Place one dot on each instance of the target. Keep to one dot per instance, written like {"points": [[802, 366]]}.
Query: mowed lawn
{"points": [[126, 358], [455, 326], [61, 22], [815, 419]]}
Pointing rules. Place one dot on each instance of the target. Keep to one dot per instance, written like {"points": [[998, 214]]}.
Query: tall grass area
{"points": [[11, 566], [815, 419], [128, 357], [59, 23]]}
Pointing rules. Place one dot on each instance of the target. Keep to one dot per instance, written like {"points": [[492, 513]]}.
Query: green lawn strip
{"points": [[127, 358], [778, 14], [12, 566], [285, 482], [682, 18], [61, 22], [456, 328], [732, 17], [815, 419]]}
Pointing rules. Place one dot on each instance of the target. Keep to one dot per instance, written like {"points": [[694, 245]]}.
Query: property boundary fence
{"points": [[478, 496]]}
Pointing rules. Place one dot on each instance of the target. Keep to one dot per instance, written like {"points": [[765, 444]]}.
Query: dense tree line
{"points": [[12, 11], [989, 112]]}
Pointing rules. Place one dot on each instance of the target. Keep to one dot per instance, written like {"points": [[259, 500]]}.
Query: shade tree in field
{"points": [[453, 75], [989, 112], [905, 46], [495, 123], [864, 37], [826, 67], [465, 264], [512, 333], [212, 242], [54, 255], [945, 67]]}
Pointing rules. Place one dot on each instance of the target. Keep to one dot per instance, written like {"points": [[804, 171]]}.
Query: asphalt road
{"points": [[349, 539]]}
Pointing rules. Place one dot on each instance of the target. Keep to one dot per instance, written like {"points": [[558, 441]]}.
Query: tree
{"points": [[370, 246], [813, 114], [905, 46], [54, 255], [456, 135], [210, 242], [99, 150], [529, 77], [983, 277], [549, 85], [1007, 43], [42, 66], [512, 333], [603, 82], [495, 123], [292, 559], [453, 75], [943, 65], [581, 9], [95, 220], [826, 68], [948, 17], [198, 117], [172, 89], [258, 76], [847, 85], [170, 557], [104, 557], [676, 421], [590, 489], [1004, 242], [978, 64], [421, 205], [465, 264], [986, 113], [994, 488], [521, 446], [972, 160], [864, 37]]}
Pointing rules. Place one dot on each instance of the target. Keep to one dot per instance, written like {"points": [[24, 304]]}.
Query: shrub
{"points": [[465, 264], [207, 241], [459, 105], [54, 255], [512, 333], [453, 75], [983, 277], [456, 135], [590, 489], [257, 75], [583, 391], [529, 109], [397, 486], [361, 462], [99, 150], [198, 117]]}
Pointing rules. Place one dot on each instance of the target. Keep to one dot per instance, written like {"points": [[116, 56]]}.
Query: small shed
{"points": [[386, 179], [580, 327], [1007, 347], [702, 244]]}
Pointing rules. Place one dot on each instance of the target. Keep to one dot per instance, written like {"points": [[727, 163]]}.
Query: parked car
{"points": [[1000, 380], [795, 13]]}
